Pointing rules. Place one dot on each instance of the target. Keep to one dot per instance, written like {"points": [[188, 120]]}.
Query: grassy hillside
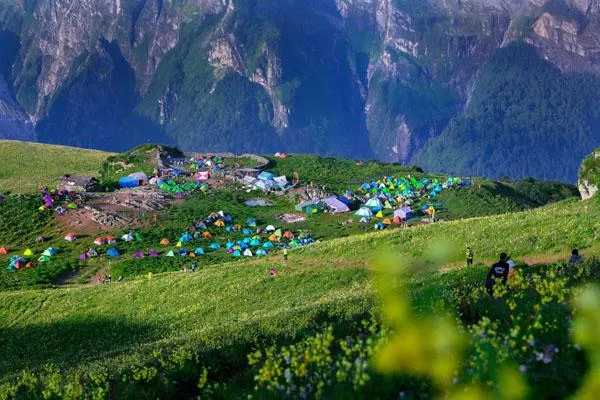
{"points": [[223, 312], [27, 166]]}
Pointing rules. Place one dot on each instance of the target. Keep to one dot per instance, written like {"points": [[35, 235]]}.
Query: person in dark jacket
{"points": [[498, 271], [575, 258]]}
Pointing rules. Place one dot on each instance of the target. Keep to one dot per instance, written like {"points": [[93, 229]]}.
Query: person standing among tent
{"points": [[499, 270], [469, 255], [285, 254]]}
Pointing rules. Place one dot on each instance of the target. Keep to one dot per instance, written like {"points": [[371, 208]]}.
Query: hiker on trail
{"points": [[498, 271], [469, 255], [575, 258], [285, 254]]}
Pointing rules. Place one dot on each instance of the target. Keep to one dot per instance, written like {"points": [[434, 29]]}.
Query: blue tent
{"points": [[237, 253], [255, 242], [215, 246], [268, 245], [266, 176], [186, 237], [128, 182], [261, 252], [199, 251], [247, 231], [112, 252], [251, 222]]}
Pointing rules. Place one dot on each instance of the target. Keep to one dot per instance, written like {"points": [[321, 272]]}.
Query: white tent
{"points": [[374, 202], [364, 212]]}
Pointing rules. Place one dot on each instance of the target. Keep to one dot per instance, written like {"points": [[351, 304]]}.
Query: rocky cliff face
{"points": [[364, 78], [589, 176]]}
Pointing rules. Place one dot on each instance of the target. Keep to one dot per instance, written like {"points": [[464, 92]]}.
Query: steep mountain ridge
{"points": [[361, 78]]}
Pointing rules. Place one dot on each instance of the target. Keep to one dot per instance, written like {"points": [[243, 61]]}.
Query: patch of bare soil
{"points": [[123, 208]]}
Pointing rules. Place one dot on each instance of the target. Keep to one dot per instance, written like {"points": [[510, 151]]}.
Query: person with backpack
{"points": [[498, 271], [575, 258]]}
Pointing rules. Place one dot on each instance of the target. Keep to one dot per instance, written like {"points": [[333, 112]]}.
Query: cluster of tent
{"points": [[400, 194], [59, 200], [18, 262], [257, 241], [401, 189], [267, 182], [215, 163]]}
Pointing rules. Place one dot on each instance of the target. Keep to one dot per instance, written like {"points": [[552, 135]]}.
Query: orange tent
{"points": [[30, 265], [206, 235], [3, 251], [387, 221], [220, 223], [397, 220], [192, 254], [164, 242], [274, 238], [289, 235]]}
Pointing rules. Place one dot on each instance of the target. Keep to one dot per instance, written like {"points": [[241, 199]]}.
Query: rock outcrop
{"points": [[589, 176]]}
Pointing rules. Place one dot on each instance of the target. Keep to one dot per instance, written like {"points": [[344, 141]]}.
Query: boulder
{"points": [[589, 176]]}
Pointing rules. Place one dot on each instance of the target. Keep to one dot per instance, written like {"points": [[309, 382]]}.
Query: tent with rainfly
{"points": [[154, 253], [374, 203], [261, 252], [28, 253], [237, 253], [50, 251], [70, 237], [112, 252], [199, 251], [215, 246], [248, 253], [43, 259], [251, 222], [171, 253], [164, 242], [138, 254], [3, 251]]}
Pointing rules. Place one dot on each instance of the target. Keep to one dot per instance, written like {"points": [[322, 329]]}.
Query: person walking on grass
{"points": [[498, 271], [575, 258], [469, 254], [285, 254]]}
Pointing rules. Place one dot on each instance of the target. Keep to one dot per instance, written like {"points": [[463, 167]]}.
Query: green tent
{"points": [[43, 259]]}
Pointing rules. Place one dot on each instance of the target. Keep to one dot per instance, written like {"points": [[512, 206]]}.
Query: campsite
{"points": [[194, 244]]}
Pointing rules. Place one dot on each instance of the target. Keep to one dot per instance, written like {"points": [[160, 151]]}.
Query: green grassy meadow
{"points": [[28, 166]]}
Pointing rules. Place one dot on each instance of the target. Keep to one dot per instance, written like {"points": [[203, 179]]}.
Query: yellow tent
{"points": [[206, 235], [179, 244], [28, 253], [220, 223], [379, 214]]}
